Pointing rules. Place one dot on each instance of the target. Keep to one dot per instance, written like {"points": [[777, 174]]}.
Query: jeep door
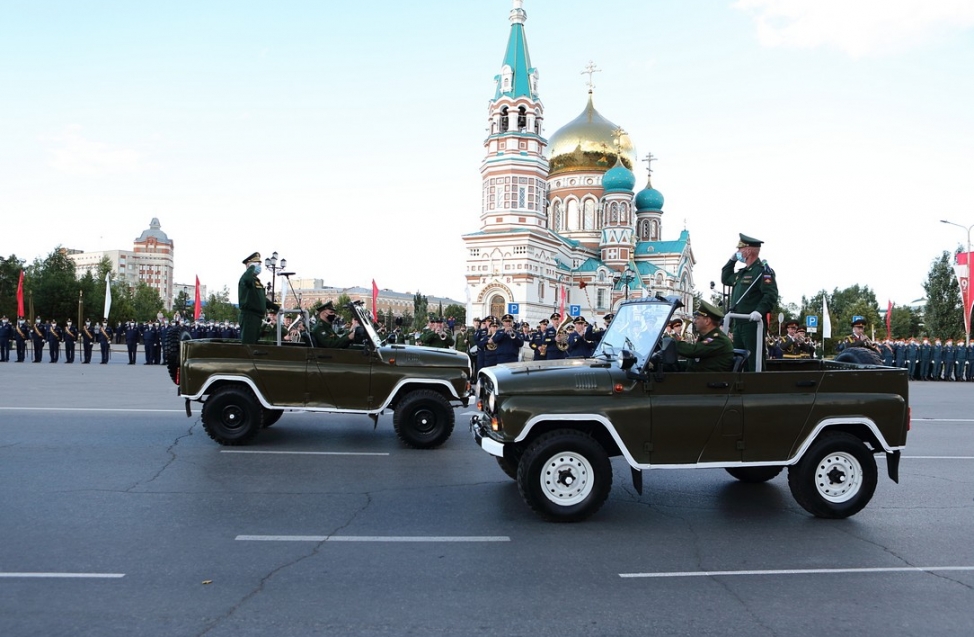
{"points": [[696, 417], [282, 371], [341, 378], [776, 407]]}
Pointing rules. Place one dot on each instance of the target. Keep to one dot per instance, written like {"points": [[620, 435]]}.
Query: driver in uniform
{"points": [[713, 351]]}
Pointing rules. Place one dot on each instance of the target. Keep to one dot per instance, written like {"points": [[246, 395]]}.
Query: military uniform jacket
{"points": [[754, 287], [324, 335], [251, 297], [713, 352]]}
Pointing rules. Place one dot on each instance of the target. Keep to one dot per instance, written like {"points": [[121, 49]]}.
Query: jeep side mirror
{"points": [[626, 359]]}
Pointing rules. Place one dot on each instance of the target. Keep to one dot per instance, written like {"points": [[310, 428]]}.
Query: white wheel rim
{"points": [[838, 477], [567, 478]]}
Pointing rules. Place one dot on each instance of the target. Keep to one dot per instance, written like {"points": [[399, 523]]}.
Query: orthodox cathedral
{"points": [[560, 221]]}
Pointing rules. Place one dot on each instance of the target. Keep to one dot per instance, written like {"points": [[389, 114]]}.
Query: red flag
{"points": [[582, 285], [20, 295], [196, 309], [889, 315], [962, 268], [375, 302], [561, 307]]}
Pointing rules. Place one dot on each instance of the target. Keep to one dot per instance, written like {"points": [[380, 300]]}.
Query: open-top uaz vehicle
{"points": [[553, 425], [244, 388]]}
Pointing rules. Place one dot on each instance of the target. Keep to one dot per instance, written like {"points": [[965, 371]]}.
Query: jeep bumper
{"points": [[479, 427]]}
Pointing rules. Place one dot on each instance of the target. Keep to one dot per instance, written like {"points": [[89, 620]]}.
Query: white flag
{"points": [[108, 294], [826, 320]]}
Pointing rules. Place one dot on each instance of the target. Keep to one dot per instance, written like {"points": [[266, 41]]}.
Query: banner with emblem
{"points": [[196, 302], [962, 269]]}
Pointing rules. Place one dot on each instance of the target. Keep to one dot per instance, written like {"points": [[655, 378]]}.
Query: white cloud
{"points": [[856, 27], [72, 153]]}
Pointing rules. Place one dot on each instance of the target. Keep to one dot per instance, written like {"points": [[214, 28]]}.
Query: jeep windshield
{"points": [[636, 328]]}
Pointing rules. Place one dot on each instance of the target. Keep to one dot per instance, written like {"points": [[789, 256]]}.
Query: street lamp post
{"points": [[272, 264], [628, 276], [965, 297]]}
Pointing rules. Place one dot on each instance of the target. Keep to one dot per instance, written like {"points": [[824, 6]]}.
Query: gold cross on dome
{"points": [[590, 69]]}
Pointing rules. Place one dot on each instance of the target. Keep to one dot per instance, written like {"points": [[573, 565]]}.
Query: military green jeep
{"points": [[553, 425], [245, 388]]}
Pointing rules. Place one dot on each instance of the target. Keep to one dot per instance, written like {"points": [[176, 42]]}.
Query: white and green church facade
{"points": [[562, 213]]}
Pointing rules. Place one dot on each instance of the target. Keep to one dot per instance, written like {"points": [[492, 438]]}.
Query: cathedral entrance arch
{"points": [[498, 307]]}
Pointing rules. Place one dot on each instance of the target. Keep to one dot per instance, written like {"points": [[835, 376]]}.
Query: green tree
{"points": [[420, 310], [943, 316], [457, 311], [52, 284], [341, 307], [219, 308], [904, 322], [10, 269], [146, 302]]}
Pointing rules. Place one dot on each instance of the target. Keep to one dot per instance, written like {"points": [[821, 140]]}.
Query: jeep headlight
{"points": [[491, 402]]}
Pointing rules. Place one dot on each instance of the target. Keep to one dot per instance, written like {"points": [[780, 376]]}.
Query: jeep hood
{"points": [[420, 356], [576, 375]]}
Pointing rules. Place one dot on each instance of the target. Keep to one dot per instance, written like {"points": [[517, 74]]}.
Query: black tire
{"points": [[835, 478], [271, 416], [508, 466], [232, 416], [565, 476], [860, 355], [174, 337], [754, 475], [424, 419]]}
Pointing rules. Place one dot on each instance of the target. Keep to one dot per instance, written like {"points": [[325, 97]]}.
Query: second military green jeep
{"points": [[553, 425], [245, 388]]}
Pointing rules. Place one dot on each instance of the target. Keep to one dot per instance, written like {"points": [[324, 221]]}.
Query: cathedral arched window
{"points": [[507, 79], [614, 213], [588, 222], [497, 305], [556, 207], [504, 120], [573, 214], [522, 119], [654, 230]]}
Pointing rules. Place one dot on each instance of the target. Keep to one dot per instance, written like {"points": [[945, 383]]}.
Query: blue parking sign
{"points": [[513, 308], [574, 310], [811, 321]]}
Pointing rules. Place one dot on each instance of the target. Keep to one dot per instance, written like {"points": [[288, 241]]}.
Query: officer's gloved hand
{"points": [[756, 316]]}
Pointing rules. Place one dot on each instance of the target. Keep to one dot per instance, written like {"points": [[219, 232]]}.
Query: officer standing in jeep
{"points": [[754, 292], [252, 301]]}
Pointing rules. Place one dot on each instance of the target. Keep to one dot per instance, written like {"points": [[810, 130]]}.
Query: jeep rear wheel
{"points": [[565, 476], [232, 416], [835, 478], [754, 475], [423, 419]]}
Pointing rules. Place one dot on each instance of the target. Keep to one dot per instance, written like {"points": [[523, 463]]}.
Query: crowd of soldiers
{"points": [[795, 343], [28, 340], [949, 360]]}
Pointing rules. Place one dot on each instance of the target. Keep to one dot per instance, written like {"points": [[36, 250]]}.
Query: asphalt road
{"points": [[119, 516]]}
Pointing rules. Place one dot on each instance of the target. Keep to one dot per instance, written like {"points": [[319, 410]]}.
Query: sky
{"points": [[348, 136]]}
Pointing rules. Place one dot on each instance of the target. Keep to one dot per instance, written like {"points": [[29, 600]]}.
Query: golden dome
{"points": [[588, 143]]}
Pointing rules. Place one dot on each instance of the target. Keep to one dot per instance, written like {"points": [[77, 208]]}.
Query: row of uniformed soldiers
{"points": [[939, 360], [492, 342], [17, 336]]}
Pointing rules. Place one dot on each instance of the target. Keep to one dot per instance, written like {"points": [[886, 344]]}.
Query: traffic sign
{"points": [[574, 310], [513, 308], [811, 321]]}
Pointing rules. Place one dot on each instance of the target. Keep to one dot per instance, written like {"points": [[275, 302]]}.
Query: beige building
{"points": [[150, 260]]}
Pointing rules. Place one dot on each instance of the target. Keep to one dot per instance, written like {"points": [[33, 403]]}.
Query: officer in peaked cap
{"points": [[508, 340], [713, 351], [578, 346], [252, 300], [754, 291]]}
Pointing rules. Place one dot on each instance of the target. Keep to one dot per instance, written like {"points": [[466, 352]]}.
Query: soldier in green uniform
{"points": [[324, 334], [713, 351], [435, 335], [252, 301], [754, 292]]}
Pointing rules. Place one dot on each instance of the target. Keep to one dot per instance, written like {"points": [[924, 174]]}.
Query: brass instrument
{"points": [[491, 330]]}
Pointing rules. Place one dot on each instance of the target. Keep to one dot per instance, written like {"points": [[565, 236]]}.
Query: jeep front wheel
{"points": [[232, 416], [835, 478], [564, 476], [423, 419]]}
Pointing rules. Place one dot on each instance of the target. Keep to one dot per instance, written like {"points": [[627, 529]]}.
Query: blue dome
{"points": [[649, 199], [618, 178]]}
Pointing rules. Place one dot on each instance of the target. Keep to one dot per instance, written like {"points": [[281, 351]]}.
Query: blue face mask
{"points": [[257, 269], [739, 256]]}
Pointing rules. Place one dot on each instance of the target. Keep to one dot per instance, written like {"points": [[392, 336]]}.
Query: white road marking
{"points": [[76, 409], [943, 419], [372, 538], [307, 453], [800, 571], [938, 457], [66, 575]]}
